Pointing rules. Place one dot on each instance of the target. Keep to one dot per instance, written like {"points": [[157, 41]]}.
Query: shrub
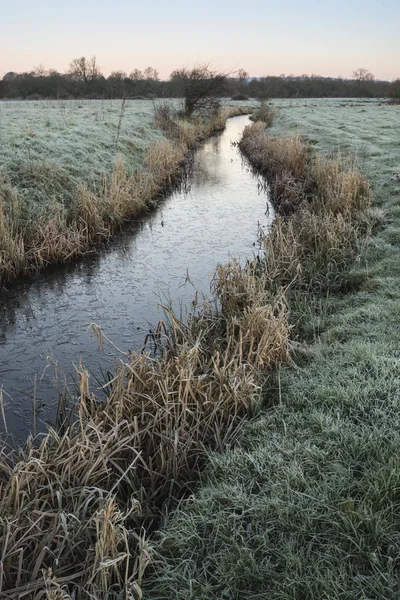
{"points": [[239, 96], [264, 113], [201, 87]]}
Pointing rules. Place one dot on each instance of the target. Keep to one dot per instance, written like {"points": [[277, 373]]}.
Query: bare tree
{"points": [[84, 69], [116, 81], [40, 71], [363, 75], [242, 75], [117, 75], [151, 74], [136, 75], [201, 88]]}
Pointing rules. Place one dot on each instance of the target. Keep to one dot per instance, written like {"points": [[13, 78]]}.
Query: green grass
{"points": [[307, 504]]}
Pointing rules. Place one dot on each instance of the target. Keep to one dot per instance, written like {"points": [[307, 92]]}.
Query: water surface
{"points": [[45, 319]]}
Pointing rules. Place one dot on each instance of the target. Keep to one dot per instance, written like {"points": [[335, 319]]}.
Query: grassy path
{"points": [[307, 506]]}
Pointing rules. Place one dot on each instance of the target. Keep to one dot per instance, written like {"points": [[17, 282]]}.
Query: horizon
{"points": [[330, 39], [229, 75]]}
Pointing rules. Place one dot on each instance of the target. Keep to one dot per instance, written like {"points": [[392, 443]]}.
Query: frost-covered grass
{"points": [[307, 505], [50, 148], [368, 128], [96, 492], [72, 172]]}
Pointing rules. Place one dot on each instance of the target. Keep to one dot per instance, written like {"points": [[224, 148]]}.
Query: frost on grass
{"points": [[370, 129], [50, 148], [307, 504]]}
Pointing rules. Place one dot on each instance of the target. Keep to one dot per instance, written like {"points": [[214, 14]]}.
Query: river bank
{"points": [[66, 186], [44, 319], [306, 504]]}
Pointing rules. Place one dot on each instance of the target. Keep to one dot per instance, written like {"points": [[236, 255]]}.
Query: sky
{"points": [[264, 37]]}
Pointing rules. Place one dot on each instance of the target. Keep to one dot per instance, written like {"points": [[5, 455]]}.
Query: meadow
{"points": [[306, 503], [300, 502]]}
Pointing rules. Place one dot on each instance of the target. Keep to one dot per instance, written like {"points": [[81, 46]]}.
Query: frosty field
{"points": [[368, 128], [50, 148], [72, 172], [306, 505], [302, 501]]}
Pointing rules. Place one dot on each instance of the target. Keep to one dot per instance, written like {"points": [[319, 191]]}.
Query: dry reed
{"points": [[324, 198], [264, 113], [75, 509]]}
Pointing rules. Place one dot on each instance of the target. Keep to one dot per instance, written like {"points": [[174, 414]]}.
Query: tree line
{"points": [[84, 79]]}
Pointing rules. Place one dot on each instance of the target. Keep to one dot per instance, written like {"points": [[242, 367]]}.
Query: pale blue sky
{"points": [[328, 37]]}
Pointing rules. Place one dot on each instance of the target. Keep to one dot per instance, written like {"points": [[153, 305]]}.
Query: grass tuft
{"points": [[264, 113]]}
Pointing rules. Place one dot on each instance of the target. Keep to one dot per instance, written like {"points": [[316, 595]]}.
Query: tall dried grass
{"points": [[12, 251], [192, 131], [75, 509], [324, 198], [264, 113]]}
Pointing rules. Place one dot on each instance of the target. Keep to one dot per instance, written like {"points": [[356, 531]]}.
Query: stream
{"points": [[44, 319]]}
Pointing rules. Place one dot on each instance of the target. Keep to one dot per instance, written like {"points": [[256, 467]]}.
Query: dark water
{"points": [[45, 319]]}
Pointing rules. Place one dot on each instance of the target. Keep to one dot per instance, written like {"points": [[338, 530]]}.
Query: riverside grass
{"points": [[306, 505], [75, 510], [52, 211]]}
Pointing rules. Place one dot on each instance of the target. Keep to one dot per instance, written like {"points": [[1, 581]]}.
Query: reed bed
{"points": [[323, 206], [76, 508]]}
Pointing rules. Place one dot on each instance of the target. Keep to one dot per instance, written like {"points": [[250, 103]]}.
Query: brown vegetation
{"points": [[264, 113], [75, 510], [324, 198]]}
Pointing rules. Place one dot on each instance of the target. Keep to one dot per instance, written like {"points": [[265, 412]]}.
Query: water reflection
{"points": [[217, 213]]}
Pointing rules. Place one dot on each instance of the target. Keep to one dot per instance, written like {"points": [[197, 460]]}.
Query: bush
{"points": [[264, 113], [239, 96], [201, 87], [394, 90]]}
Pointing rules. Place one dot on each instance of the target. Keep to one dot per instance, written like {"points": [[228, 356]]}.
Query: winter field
{"points": [[72, 172], [304, 502], [48, 149], [370, 129], [306, 505]]}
